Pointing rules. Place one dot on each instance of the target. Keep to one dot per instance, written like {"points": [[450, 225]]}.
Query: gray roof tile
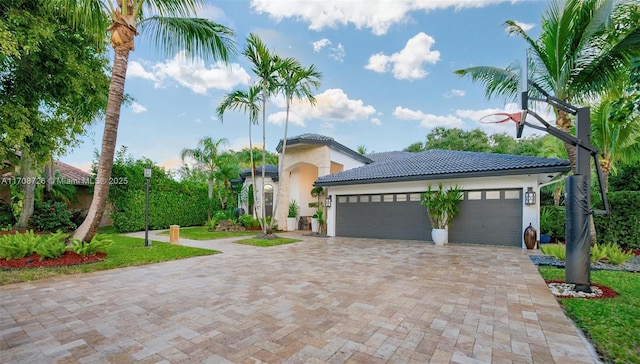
{"points": [[434, 164]]}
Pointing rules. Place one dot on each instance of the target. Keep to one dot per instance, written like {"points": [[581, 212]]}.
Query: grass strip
{"points": [[612, 324], [125, 251]]}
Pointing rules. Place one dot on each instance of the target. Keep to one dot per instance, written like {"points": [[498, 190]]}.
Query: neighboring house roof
{"points": [[67, 174], [440, 164], [317, 139], [269, 171], [71, 174]]}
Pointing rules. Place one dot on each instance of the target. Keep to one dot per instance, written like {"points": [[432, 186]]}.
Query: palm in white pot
{"points": [[292, 216], [442, 207]]}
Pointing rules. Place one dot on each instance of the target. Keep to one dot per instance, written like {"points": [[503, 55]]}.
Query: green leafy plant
{"points": [[52, 246], [51, 216], [16, 246], [294, 209], [616, 255], [555, 250], [99, 243], [598, 252], [6, 216], [249, 222], [442, 205]]}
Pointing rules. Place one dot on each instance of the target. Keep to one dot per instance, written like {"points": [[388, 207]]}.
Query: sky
{"points": [[387, 66]]}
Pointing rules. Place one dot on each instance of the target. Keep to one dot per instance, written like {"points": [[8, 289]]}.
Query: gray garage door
{"points": [[487, 217]]}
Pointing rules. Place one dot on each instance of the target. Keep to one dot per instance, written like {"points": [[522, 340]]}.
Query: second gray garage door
{"points": [[487, 217]]}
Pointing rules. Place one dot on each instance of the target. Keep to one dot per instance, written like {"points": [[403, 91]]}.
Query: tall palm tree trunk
{"points": [[264, 160], [90, 225], [29, 187], [281, 159], [254, 204]]}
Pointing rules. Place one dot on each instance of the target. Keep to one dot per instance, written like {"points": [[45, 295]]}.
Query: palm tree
{"points": [[297, 82], [266, 66], [617, 140], [247, 102], [227, 170], [171, 26], [583, 48], [207, 157]]}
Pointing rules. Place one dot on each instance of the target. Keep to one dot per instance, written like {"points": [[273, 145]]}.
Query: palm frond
{"points": [[91, 16], [199, 37], [499, 82]]}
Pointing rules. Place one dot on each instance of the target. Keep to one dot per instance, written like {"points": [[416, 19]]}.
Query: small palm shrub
{"points": [[616, 255], [52, 246], [17, 246], [249, 222], [99, 243], [555, 250], [598, 252]]}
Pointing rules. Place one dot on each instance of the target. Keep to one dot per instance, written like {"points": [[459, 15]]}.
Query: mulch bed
{"points": [[599, 291], [33, 261]]}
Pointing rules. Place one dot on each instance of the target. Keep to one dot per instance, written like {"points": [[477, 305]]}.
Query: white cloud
{"points": [[318, 45], [135, 69], [137, 108], [376, 15], [331, 105], [508, 126], [376, 121], [192, 74], [407, 64], [428, 120], [337, 52], [454, 92], [525, 26]]}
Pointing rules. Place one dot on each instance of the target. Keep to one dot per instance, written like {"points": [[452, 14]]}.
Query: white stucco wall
{"points": [[530, 213]]}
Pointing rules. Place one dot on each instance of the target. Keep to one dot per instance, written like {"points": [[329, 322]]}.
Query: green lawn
{"points": [[612, 324], [124, 252], [202, 233], [267, 242]]}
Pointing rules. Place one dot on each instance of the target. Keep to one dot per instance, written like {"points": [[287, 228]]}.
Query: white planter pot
{"points": [[291, 223], [314, 225], [440, 236]]}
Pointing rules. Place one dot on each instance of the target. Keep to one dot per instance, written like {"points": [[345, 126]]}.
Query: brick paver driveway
{"points": [[321, 300]]}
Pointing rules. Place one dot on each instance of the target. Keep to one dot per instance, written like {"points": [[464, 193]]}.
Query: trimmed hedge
{"points": [[622, 226], [183, 203]]}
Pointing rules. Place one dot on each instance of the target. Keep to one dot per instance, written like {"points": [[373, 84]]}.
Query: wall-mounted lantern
{"points": [[530, 196], [327, 201]]}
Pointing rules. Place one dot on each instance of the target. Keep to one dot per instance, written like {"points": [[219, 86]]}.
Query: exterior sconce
{"points": [[327, 202], [530, 196]]}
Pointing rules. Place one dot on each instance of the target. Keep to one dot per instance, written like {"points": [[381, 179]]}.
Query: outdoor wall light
{"points": [[327, 202], [530, 196]]}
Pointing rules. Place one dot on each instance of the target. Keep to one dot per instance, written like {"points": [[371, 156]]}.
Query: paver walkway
{"points": [[322, 300]]}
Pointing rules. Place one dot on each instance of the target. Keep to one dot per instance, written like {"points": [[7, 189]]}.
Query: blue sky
{"points": [[387, 75]]}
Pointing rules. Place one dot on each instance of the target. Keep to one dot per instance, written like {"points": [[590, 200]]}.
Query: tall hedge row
{"points": [[183, 203], [622, 226]]}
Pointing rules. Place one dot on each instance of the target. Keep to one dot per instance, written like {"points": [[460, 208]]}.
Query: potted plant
{"points": [[318, 215], [292, 216], [547, 216], [442, 207]]}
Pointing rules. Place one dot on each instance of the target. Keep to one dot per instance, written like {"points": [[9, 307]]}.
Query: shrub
{"points": [[598, 252], [555, 250], [249, 222], [16, 246], [617, 256], [51, 216], [52, 246], [623, 224], [6, 216], [552, 221], [99, 243]]}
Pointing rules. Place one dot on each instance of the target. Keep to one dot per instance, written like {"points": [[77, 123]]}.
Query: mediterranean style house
{"points": [[378, 195]]}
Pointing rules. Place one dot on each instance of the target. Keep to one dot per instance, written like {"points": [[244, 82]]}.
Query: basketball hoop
{"points": [[501, 117]]}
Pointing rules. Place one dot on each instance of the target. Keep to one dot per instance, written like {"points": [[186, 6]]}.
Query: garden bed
{"points": [[68, 258]]}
